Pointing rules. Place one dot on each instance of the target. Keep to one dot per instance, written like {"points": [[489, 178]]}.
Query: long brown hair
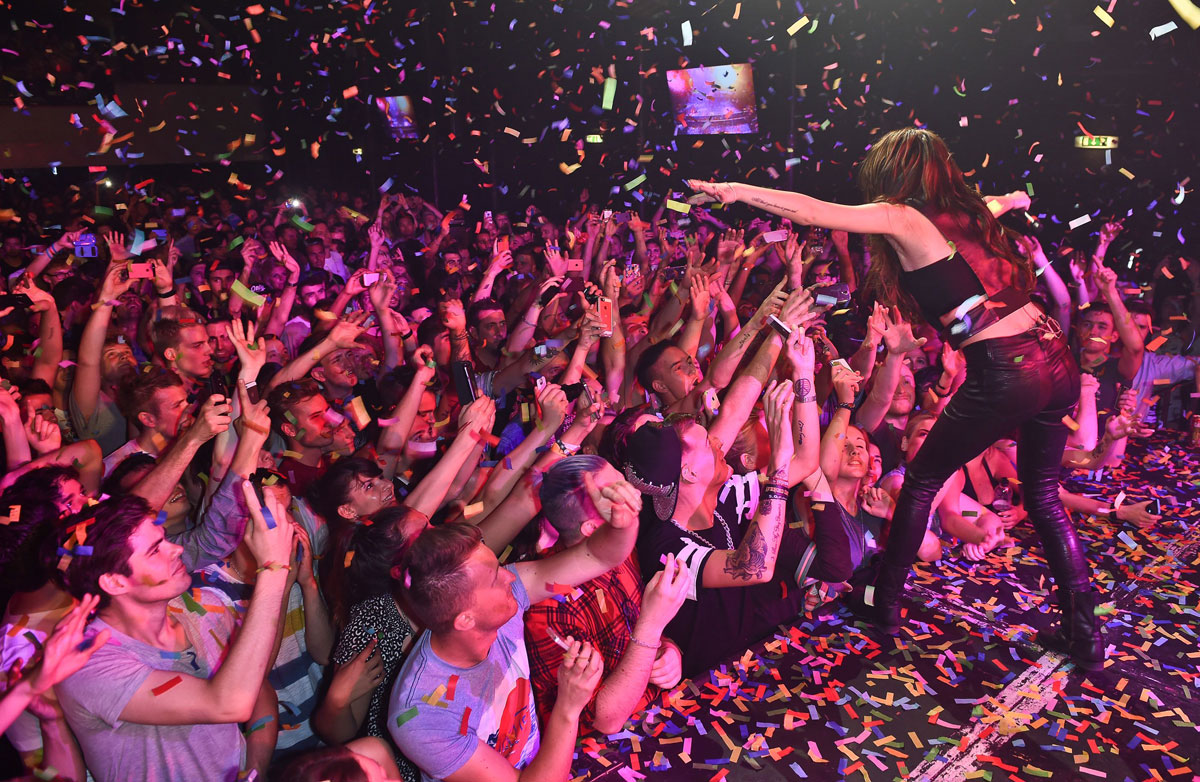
{"points": [[913, 166]]}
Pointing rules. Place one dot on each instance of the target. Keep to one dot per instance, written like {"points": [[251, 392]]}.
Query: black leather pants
{"points": [[1025, 383]]}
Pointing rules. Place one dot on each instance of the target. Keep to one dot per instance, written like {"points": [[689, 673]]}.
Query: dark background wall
{"points": [[1009, 83]]}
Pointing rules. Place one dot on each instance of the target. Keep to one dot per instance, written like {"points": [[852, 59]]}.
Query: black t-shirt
{"points": [[888, 439], [716, 624], [1111, 384]]}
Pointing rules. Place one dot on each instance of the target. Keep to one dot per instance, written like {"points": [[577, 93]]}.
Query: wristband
{"points": [[845, 406], [249, 384], [273, 566], [168, 295], [635, 640], [404, 337]]}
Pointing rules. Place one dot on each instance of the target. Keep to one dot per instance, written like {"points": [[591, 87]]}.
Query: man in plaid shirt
{"points": [[609, 611]]}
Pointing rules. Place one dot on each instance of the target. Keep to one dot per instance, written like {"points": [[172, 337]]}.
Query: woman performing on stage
{"points": [[938, 252]]}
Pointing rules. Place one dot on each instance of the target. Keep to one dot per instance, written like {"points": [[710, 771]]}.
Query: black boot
{"points": [[883, 607], [1078, 633]]}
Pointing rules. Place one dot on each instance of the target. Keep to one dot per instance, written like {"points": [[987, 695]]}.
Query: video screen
{"points": [[713, 100], [399, 112]]}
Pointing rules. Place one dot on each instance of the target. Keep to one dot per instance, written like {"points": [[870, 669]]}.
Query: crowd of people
{"points": [[297, 490]]}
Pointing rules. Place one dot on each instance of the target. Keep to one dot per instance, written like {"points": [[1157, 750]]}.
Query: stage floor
{"points": [[958, 695]]}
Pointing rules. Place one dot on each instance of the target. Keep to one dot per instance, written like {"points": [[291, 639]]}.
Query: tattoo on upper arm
{"points": [[749, 560]]}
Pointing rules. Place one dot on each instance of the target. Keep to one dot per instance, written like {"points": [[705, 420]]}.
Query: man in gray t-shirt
{"points": [[94, 698], [462, 708], [164, 698]]}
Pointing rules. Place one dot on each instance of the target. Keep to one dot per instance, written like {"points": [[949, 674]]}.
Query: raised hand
{"points": [[44, 436], [897, 334], [213, 418], [269, 543], [41, 300], [452, 315], [346, 332], [1109, 231], [381, 292], [115, 242], [722, 192], [554, 259], [618, 503], [252, 355], [255, 416], [952, 360], [478, 416], [1106, 280], [553, 402], [426, 369], [66, 650], [846, 383], [116, 281], [700, 296], [797, 311], [801, 353], [771, 305], [777, 405], [375, 235]]}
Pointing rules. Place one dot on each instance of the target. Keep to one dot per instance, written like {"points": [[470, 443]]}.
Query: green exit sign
{"points": [[1096, 142]]}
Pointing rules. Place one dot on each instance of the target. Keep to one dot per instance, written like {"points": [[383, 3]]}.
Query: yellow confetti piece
{"points": [[1070, 422], [473, 509], [678, 206], [798, 25], [1127, 174], [1103, 16]]}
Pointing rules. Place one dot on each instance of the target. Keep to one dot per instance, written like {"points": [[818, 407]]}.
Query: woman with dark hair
{"points": [[939, 253], [374, 632]]}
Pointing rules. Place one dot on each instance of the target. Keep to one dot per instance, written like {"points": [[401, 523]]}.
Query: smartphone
{"points": [[784, 330], [502, 244], [464, 381], [140, 271], [775, 236], [574, 265], [1154, 508], [487, 216], [294, 203], [620, 218], [548, 296], [85, 246], [539, 382], [370, 278], [604, 308], [606, 215], [17, 300], [160, 235], [831, 295]]}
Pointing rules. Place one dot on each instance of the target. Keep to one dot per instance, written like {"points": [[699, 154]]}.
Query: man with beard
{"points": [[101, 368], [223, 353]]}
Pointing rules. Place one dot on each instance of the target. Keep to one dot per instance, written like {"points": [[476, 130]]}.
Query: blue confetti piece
{"points": [[161, 519], [267, 517]]}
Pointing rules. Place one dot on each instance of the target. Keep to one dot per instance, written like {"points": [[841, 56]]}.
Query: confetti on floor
{"points": [[961, 694]]}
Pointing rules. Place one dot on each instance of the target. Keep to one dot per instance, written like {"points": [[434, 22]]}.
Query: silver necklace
{"points": [[724, 526]]}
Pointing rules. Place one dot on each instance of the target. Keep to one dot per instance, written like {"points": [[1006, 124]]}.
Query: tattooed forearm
{"points": [[800, 433], [755, 557]]}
